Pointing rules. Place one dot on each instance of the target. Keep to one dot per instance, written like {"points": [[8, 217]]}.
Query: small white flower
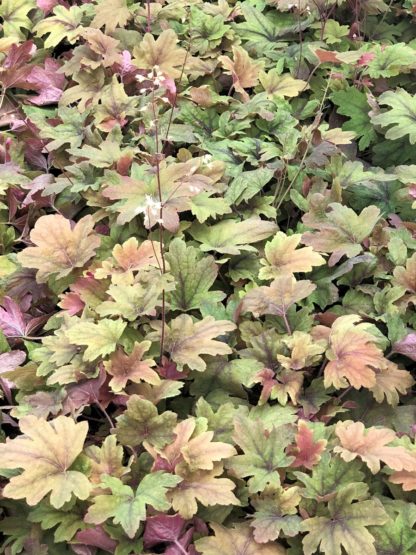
{"points": [[140, 78], [207, 158], [143, 90]]}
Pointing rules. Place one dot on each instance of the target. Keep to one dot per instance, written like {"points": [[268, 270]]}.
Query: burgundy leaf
{"points": [[96, 537]]}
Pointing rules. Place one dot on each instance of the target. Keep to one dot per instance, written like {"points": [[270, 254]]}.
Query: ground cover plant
{"points": [[207, 277]]}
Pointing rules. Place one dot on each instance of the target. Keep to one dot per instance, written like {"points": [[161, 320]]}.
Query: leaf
{"points": [[237, 540], [277, 298], [14, 14], [353, 103], [141, 422], [128, 507], [406, 346], [193, 275], [406, 478], [59, 247], [230, 236], [390, 381], [283, 256], [330, 476], [186, 340], [64, 24], [203, 207], [277, 85], [243, 69], [162, 54], [164, 528], [400, 118], [111, 14], [68, 521], [342, 231], [307, 451], [100, 339], [247, 184], [396, 537], [264, 453], [353, 355], [202, 486], [372, 447], [131, 367], [46, 452], [346, 526], [406, 276], [276, 512]]}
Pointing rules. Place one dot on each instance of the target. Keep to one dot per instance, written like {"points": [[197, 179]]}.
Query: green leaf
{"points": [[231, 236], [247, 185], [203, 206], [100, 339], [67, 521], [128, 507], [141, 422], [15, 15], [193, 275], [353, 103], [264, 454], [345, 527], [401, 118]]}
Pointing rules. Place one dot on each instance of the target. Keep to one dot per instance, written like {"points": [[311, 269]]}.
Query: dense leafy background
{"points": [[208, 277]]}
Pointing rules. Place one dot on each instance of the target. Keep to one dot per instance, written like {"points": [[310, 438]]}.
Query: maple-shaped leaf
{"points": [[46, 453], [371, 445], [276, 512], [139, 194], [135, 295], [14, 14], [141, 422], [406, 276], [67, 521], [114, 106], [131, 367], [231, 236], [162, 53], [237, 540], [342, 231], [390, 381], [328, 477], [277, 298], [203, 486], [304, 351], [187, 339], [107, 459], [59, 246], [244, 70], [64, 24], [128, 507], [353, 354], [353, 103], [99, 339], [86, 92], [307, 451], [345, 527], [193, 447], [193, 275], [281, 85], [111, 14], [398, 535], [283, 256], [264, 453], [400, 117]]}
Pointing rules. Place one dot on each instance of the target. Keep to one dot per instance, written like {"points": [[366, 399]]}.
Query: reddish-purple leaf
{"points": [[406, 346], [47, 82], [163, 528], [96, 537]]}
